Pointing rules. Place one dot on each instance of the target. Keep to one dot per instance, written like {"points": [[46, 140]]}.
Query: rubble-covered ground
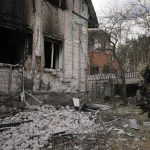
{"points": [[64, 128]]}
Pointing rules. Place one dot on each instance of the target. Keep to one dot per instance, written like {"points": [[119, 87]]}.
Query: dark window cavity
{"points": [[14, 46], [53, 54], [94, 70]]}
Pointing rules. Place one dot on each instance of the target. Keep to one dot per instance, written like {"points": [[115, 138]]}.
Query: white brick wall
{"points": [[67, 26]]}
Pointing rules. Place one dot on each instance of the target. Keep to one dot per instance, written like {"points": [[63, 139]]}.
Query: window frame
{"points": [[52, 59]]}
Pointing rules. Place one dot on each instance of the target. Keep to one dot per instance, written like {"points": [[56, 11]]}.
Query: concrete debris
{"points": [[76, 102], [98, 106], [64, 128], [126, 125], [88, 107], [47, 121], [119, 131], [146, 124]]}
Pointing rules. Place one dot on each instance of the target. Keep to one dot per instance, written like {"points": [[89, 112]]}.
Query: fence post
{"points": [[99, 91], [92, 93], [112, 90], [96, 92], [10, 79]]}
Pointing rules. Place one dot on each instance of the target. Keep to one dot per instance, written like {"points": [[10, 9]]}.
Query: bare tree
{"points": [[138, 11], [123, 24], [138, 52], [117, 29]]}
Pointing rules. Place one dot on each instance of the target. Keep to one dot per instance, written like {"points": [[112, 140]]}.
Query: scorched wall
{"points": [[58, 61]]}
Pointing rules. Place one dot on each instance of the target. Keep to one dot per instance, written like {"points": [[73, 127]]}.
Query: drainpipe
{"points": [[79, 59], [79, 53], [72, 42], [38, 41]]}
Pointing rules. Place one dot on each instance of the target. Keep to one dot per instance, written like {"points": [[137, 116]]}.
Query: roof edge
{"points": [[92, 15]]}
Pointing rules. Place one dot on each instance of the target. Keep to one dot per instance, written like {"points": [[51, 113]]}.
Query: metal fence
{"points": [[128, 75], [100, 90], [103, 86]]}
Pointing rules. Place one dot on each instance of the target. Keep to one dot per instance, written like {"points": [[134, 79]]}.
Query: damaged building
{"points": [[50, 39], [101, 59]]}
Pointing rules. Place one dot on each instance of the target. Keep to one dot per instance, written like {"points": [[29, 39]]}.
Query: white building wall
{"points": [[76, 46], [72, 30]]}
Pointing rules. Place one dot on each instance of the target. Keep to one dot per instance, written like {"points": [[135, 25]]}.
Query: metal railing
{"points": [[128, 75], [10, 78], [14, 83]]}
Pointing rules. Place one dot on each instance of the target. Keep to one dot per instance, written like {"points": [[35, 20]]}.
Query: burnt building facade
{"points": [[50, 39]]}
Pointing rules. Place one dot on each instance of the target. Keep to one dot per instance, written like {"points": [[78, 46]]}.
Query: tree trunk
{"points": [[124, 93]]}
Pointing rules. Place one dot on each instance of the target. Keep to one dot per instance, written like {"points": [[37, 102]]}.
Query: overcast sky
{"points": [[103, 4]]}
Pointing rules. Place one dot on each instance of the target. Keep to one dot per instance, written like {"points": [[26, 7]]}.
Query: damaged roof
{"points": [[92, 15]]}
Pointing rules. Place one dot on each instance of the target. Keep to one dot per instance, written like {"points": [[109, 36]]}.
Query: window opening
{"points": [[52, 52], [97, 44], [15, 46], [94, 70]]}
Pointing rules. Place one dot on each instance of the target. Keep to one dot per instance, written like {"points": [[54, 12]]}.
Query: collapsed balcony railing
{"points": [[14, 82], [10, 78]]}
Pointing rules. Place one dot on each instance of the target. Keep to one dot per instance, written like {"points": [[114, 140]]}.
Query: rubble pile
{"points": [[64, 128], [46, 121]]}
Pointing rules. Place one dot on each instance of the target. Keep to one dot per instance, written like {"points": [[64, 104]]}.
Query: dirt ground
{"points": [[118, 136]]}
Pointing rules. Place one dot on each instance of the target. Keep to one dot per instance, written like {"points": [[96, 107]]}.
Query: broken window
{"points": [[94, 41], [59, 3], [97, 44], [14, 46], [53, 54], [94, 70]]}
